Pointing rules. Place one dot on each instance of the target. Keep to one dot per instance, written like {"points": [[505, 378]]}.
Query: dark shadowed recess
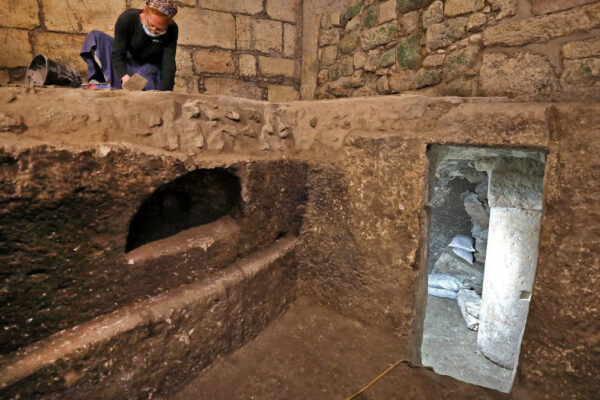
{"points": [[194, 199]]}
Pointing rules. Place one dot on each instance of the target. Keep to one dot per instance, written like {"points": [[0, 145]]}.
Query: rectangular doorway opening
{"points": [[485, 209]]}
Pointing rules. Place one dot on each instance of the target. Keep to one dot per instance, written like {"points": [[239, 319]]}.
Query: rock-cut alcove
{"points": [[485, 209], [196, 198]]}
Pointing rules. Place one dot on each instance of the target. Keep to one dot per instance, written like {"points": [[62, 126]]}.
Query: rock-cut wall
{"points": [[528, 49], [247, 48]]}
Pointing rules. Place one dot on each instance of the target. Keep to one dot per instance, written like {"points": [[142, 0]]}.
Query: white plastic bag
{"points": [[462, 242], [463, 254], [445, 293], [443, 285]]}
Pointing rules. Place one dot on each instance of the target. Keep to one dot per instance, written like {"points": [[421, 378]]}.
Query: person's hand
{"points": [[124, 79]]}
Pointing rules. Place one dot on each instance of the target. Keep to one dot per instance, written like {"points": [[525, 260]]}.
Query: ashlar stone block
{"points": [[283, 10], [20, 14], [271, 66], [183, 59], [247, 63], [15, 48], [524, 73], [289, 40], [581, 74], [234, 6], [232, 87], [581, 49], [243, 32], [213, 60], [267, 35], [539, 7], [82, 16], [206, 28], [281, 93], [543, 28]]}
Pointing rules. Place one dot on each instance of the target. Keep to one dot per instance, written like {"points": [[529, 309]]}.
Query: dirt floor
{"points": [[313, 353]]}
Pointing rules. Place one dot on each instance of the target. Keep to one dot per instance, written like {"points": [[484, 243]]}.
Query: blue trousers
{"points": [[103, 44]]}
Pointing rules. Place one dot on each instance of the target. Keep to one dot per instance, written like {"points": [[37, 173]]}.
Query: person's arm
{"points": [[168, 62], [119, 50]]}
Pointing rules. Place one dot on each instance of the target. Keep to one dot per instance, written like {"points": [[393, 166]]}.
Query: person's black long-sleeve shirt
{"points": [[130, 36]]}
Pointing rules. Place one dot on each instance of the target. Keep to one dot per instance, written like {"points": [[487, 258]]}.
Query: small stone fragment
{"points": [[155, 121], [313, 122], [233, 115], [476, 39]]}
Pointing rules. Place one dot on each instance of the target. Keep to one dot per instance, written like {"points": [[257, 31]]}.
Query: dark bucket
{"points": [[45, 71]]}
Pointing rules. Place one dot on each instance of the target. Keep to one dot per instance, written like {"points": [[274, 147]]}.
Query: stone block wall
{"points": [[243, 48], [530, 49]]}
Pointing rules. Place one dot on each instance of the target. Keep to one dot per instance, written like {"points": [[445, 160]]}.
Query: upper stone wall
{"points": [[530, 49], [243, 48]]}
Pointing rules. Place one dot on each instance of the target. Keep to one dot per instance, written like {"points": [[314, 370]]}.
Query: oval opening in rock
{"points": [[196, 198]]}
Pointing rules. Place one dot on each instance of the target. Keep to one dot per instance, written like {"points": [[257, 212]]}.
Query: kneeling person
{"points": [[145, 43]]}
